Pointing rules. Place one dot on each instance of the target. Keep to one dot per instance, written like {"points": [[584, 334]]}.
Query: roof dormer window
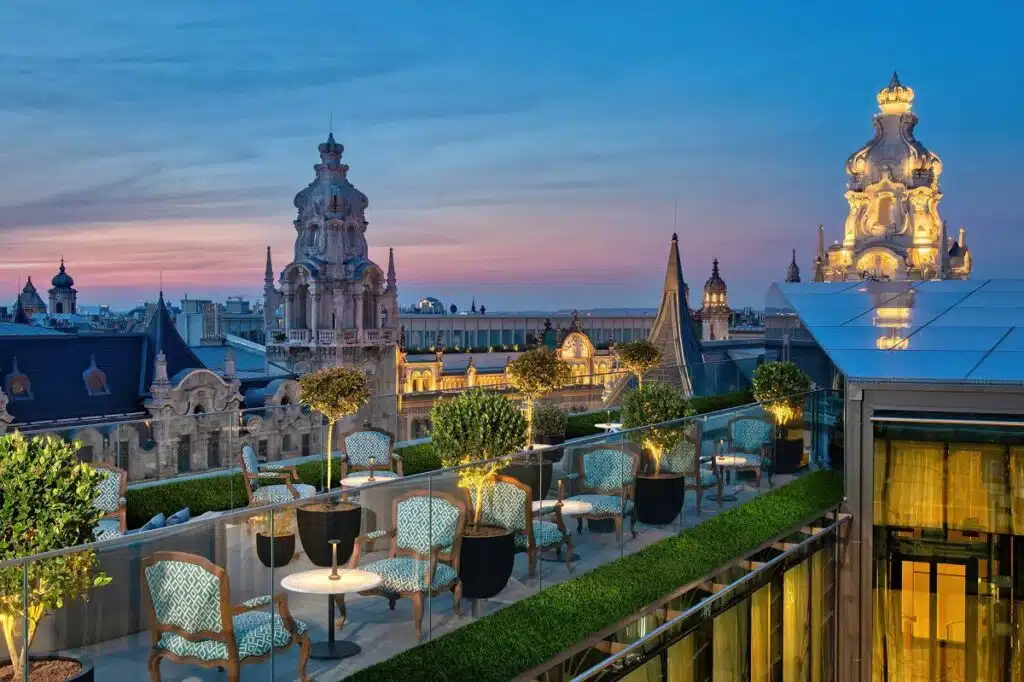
{"points": [[95, 379], [18, 386]]}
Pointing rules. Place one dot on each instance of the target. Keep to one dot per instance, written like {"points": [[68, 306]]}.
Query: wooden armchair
{"points": [[424, 557], [358, 446], [508, 504], [751, 438], [192, 621], [684, 459], [111, 500], [605, 476], [256, 474]]}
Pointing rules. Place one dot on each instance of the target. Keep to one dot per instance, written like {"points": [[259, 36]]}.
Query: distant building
{"points": [[205, 322]]}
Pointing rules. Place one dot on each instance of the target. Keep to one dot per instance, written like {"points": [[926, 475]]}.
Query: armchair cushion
{"points": [[607, 470], [108, 496], [255, 633], [605, 504], [545, 534], [272, 494], [107, 529], [178, 517], [405, 574]]}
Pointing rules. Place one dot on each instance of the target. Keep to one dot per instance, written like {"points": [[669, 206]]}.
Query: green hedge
{"points": [[529, 632]]}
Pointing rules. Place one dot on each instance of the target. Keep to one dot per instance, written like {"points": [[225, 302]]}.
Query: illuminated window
{"points": [[18, 386]]}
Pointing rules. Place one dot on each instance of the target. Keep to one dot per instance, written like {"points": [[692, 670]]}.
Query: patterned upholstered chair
{"points": [[192, 620], [111, 499], [751, 439], [256, 474], [508, 504], [604, 477], [684, 459], [359, 445], [424, 557]]}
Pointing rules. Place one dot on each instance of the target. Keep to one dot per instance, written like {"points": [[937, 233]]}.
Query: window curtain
{"points": [[914, 489], [680, 661], [796, 624], [1017, 486], [730, 641], [761, 635], [976, 488], [648, 672], [887, 650], [818, 610]]}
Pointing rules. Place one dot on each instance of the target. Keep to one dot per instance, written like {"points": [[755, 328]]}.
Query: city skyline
{"points": [[181, 135]]}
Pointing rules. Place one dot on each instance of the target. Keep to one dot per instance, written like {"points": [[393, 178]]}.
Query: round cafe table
{"points": [[318, 581], [361, 478], [609, 427], [727, 463], [570, 508]]}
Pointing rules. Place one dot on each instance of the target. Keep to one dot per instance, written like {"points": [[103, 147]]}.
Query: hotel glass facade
{"points": [[948, 583]]}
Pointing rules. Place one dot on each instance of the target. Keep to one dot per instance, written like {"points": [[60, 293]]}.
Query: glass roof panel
{"points": [[908, 364], [1000, 366]]}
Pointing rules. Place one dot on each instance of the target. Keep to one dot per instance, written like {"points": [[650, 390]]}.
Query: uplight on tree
{"points": [[661, 408]]}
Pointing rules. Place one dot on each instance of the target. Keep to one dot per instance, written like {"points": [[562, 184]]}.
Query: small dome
{"points": [[715, 283], [62, 279]]}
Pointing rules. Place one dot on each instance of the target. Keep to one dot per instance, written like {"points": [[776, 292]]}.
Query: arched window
{"points": [[58, 307], [17, 384], [198, 409], [95, 380], [885, 206]]}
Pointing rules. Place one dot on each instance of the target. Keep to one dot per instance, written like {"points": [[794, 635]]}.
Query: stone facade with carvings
{"points": [[340, 308], [893, 230]]}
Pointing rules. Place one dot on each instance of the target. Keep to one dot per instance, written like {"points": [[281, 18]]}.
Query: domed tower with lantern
{"points": [[714, 313], [63, 296], [893, 230], [340, 308]]}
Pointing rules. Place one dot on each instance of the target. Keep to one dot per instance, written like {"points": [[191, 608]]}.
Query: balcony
{"points": [[326, 337], [298, 336], [330, 337], [112, 628]]}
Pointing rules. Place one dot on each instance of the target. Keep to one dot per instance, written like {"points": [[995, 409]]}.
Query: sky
{"points": [[533, 155]]}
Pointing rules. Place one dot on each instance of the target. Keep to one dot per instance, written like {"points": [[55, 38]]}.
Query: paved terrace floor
{"points": [[380, 632]]}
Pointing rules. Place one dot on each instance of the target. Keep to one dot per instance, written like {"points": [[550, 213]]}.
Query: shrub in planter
{"points": [[534, 374], [638, 358], [549, 421], [469, 429], [46, 503], [335, 392], [659, 497], [782, 388]]}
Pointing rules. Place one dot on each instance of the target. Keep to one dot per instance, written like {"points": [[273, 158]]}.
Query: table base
{"points": [[334, 650]]}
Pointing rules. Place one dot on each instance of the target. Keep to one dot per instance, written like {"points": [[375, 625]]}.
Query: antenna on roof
{"points": [[330, 123], [675, 215]]}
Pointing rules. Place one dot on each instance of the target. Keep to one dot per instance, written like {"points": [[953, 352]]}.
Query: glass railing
{"points": [[555, 512]]}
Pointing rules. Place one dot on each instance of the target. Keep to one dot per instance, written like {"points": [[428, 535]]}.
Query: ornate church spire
{"points": [[392, 277], [895, 98], [268, 273], [793, 272]]}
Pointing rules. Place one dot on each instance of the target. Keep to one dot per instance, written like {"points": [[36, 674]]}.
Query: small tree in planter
{"points": [[46, 504], [638, 358], [335, 392], [659, 497], [655, 403], [474, 426], [536, 373], [781, 387], [549, 421]]}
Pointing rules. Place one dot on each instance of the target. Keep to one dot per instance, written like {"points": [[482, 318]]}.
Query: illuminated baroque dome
{"points": [[893, 229]]}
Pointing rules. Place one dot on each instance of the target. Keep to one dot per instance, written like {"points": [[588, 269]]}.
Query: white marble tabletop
{"points": [[608, 427], [730, 461], [569, 507], [318, 581], [363, 478]]}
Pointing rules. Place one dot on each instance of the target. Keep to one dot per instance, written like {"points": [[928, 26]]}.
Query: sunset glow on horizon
{"points": [[166, 144]]}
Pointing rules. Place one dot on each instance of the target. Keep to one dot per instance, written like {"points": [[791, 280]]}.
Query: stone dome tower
{"points": [[63, 296], [893, 230], [714, 314]]}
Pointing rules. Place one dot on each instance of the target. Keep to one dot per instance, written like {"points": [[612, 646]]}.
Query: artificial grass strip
{"points": [[529, 632]]}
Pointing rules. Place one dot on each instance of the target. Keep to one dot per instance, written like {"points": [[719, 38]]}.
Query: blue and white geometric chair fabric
{"points": [[747, 435], [607, 472], [110, 500], [190, 596], [260, 494], [360, 446], [504, 505], [682, 459]]}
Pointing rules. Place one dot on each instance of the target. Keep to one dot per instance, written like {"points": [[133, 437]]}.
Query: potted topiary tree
{"points": [[549, 424], [335, 392], [474, 427], [534, 374], [659, 494], [782, 387], [46, 504], [638, 358]]}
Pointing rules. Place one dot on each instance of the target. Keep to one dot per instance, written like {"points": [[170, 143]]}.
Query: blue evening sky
{"points": [[528, 153]]}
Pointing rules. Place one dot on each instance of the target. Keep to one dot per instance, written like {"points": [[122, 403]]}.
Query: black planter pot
{"points": [[485, 564], [537, 475], [549, 440], [789, 455], [278, 551], [84, 675], [659, 497], [318, 526]]}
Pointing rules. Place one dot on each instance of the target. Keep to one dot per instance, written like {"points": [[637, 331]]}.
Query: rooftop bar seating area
{"points": [[265, 574]]}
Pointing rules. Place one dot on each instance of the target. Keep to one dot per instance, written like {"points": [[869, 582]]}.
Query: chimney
{"points": [[229, 364], [962, 241]]}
